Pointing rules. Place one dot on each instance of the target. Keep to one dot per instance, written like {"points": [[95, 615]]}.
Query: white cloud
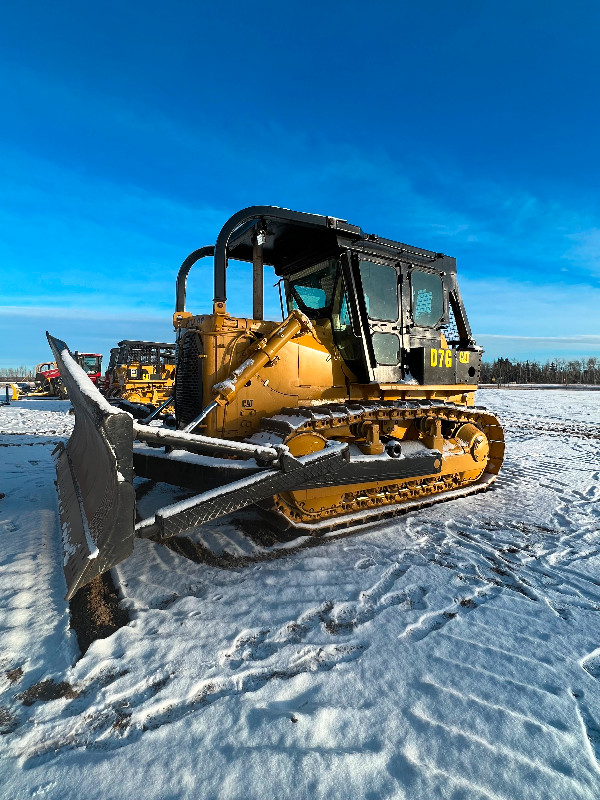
{"points": [[539, 348], [530, 308]]}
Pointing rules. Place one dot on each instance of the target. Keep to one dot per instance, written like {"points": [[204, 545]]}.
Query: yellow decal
{"points": [[441, 358], [463, 358]]}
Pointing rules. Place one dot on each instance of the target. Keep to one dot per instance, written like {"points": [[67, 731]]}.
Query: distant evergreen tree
{"points": [[17, 372], [505, 370]]}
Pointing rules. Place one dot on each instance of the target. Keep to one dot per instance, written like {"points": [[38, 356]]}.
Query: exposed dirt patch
{"points": [[47, 690], [263, 532], [122, 720], [194, 551], [14, 675], [95, 611], [107, 677]]}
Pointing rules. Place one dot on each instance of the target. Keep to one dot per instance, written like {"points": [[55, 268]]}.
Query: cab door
{"points": [[379, 300]]}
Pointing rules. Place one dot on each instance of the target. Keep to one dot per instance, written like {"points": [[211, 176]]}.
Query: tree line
{"points": [[502, 370], [558, 370], [19, 373]]}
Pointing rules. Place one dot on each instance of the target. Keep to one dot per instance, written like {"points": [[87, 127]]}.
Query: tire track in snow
{"points": [[334, 618], [495, 555], [522, 426], [591, 727], [458, 742], [492, 672], [118, 724], [435, 621], [311, 658]]}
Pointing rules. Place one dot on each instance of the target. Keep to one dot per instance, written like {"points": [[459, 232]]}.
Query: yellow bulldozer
{"points": [[357, 405], [141, 372]]}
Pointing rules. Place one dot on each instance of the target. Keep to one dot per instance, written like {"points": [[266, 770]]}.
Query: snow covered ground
{"points": [[453, 652]]}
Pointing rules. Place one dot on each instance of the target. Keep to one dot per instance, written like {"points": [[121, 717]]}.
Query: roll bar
{"points": [[262, 215], [184, 269], [249, 215]]}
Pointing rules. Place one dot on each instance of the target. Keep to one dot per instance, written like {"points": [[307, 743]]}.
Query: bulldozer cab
{"points": [[44, 367], [390, 319], [394, 311]]}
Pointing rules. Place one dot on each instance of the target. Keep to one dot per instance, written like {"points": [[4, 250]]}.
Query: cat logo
{"points": [[463, 357], [247, 403]]}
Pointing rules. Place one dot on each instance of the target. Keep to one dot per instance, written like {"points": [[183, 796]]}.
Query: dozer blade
{"points": [[95, 474]]}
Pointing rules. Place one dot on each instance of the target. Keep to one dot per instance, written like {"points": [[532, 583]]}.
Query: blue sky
{"points": [[131, 132]]}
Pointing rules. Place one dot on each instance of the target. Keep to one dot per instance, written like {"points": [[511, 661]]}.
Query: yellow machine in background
{"points": [[141, 372], [11, 394]]}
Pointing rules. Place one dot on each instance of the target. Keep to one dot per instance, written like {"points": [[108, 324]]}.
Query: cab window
{"points": [[386, 347], [312, 289], [90, 364], [380, 288]]}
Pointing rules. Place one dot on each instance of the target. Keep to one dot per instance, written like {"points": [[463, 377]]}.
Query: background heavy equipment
{"points": [[141, 372], [49, 382], [91, 363], [359, 404]]}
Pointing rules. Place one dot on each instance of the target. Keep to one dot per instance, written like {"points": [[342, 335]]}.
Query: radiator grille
{"points": [[188, 381]]}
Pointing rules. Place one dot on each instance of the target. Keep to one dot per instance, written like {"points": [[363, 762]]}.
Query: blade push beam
{"points": [[295, 472]]}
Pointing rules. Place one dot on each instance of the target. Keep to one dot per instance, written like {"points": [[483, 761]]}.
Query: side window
{"points": [[380, 286], [343, 336], [427, 298], [312, 296], [344, 313], [312, 289]]}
